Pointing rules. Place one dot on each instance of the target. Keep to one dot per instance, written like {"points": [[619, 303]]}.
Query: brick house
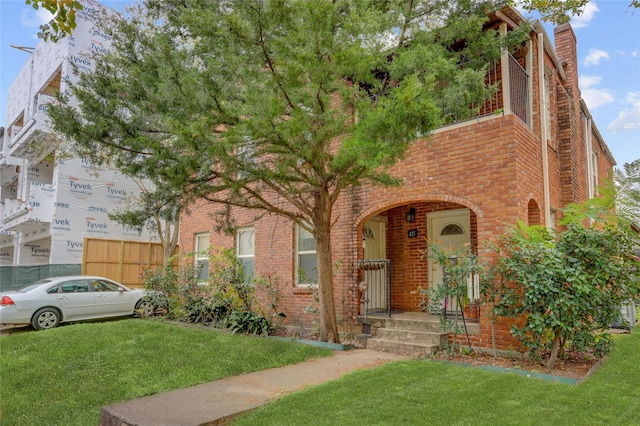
{"points": [[533, 149]]}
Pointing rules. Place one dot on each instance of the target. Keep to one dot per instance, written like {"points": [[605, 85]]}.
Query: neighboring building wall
{"points": [[82, 204], [50, 205]]}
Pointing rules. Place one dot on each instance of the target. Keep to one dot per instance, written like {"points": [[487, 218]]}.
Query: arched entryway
{"points": [[408, 229]]}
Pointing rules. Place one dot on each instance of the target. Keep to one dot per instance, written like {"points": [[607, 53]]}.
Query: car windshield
{"points": [[34, 285]]}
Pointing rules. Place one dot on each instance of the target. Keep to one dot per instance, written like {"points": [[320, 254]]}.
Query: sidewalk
{"points": [[215, 402]]}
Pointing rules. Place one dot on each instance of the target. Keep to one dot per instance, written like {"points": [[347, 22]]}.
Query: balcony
{"points": [[516, 89], [34, 139], [9, 167], [30, 216]]}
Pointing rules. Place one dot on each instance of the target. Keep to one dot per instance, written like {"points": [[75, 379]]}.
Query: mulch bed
{"points": [[573, 365]]}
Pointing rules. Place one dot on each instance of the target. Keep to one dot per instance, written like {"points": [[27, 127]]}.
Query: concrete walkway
{"points": [[215, 402]]}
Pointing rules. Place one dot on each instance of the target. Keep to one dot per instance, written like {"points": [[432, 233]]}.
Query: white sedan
{"points": [[51, 301]]}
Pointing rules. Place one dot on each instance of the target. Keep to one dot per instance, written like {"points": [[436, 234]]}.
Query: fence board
{"points": [[122, 261]]}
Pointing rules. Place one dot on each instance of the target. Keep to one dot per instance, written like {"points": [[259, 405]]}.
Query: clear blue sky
{"points": [[608, 35]]}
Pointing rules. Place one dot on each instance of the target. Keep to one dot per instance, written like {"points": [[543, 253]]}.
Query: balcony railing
{"points": [[34, 138], [519, 89], [39, 208], [494, 102]]}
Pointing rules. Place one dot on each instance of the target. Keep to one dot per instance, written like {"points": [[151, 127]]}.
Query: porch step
{"points": [[432, 324], [412, 336], [422, 336], [396, 346]]}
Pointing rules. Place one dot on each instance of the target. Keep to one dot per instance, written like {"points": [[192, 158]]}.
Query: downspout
{"points": [[544, 125]]}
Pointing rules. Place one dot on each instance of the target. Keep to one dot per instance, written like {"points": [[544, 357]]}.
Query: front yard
{"points": [[64, 375], [427, 392]]}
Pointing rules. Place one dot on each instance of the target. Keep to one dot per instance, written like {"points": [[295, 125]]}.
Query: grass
{"points": [[426, 392], [64, 375]]}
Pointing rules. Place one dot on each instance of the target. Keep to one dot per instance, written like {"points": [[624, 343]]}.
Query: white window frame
{"points": [[594, 173], [201, 255], [299, 231], [246, 256]]}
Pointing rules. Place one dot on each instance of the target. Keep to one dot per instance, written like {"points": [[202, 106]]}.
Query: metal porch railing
{"points": [[376, 287]]}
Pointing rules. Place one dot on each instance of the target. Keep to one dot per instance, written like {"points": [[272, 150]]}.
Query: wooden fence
{"points": [[122, 261]]}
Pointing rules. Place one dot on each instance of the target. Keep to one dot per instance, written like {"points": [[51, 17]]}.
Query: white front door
{"points": [[450, 230], [375, 233], [375, 236]]}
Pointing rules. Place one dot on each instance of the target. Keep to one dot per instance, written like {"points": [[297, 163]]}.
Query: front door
{"points": [[451, 231], [375, 234], [375, 248]]}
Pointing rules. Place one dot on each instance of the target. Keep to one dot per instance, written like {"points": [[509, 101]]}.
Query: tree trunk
{"points": [[328, 322], [554, 351], [170, 242], [169, 237]]}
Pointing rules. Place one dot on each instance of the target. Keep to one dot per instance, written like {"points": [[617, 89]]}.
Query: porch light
{"points": [[411, 215]]}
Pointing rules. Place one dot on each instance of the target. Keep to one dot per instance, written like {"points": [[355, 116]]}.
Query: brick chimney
{"points": [[567, 51], [571, 147]]}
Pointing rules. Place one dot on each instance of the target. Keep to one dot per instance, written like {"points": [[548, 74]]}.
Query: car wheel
{"points": [[45, 318], [144, 308]]}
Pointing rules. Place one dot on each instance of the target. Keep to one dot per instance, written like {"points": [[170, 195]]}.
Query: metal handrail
{"points": [[376, 297]]}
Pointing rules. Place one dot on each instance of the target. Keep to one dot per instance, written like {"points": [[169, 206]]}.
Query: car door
{"points": [[76, 299], [111, 299]]}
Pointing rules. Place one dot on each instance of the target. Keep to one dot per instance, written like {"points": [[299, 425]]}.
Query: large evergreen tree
{"points": [[278, 105]]}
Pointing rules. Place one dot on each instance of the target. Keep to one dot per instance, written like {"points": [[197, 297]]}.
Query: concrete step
{"points": [[412, 336], [395, 346], [432, 325]]}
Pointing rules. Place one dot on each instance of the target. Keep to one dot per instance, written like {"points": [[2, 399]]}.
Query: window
{"points": [[452, 229], [202, 256], [245, 251], [102, 285], [77, 286], [307, 258], [594, 174]]}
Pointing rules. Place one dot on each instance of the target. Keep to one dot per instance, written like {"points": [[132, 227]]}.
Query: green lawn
{"points": [[426, 392], [64, 375]]}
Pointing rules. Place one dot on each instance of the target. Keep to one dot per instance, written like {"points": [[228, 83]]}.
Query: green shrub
{"points": [[226, 300], [162, 287], [247, 322], [565, 285]]}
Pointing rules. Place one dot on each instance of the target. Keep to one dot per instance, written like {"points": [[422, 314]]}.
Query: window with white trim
{"points": [[594, 173], [202, 256], [245, 251], [306, 257]]}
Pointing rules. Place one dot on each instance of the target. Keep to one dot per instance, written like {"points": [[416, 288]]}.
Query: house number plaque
{"points": [[412, 233]]}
